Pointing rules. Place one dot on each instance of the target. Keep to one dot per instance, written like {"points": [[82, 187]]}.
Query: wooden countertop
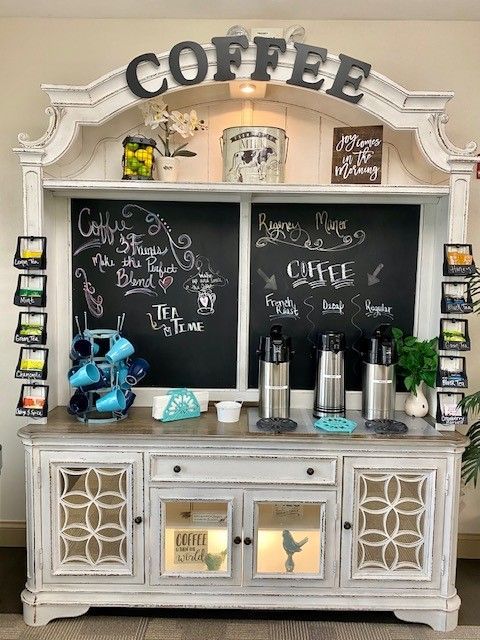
{"points": [[139, 425]]}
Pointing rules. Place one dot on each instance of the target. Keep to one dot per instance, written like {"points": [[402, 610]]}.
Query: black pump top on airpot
{"points": [[331, 341], [380, 347], [276, 347]]}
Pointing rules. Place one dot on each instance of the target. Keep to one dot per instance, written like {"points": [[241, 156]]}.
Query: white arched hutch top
{"points": [[79, 156]]}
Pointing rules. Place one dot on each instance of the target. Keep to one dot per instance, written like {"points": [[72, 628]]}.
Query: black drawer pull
{"points": [[177, 469], [310, 471], [237, 540], [138, 520], [347, 525], [248, 541]]}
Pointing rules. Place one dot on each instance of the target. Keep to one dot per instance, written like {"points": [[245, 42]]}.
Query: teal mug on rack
{"points": [[84, 376], [120, 350], [114, 400]]}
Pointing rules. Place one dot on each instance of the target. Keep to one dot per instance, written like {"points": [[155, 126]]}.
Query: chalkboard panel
{"points": [[344, 267], [172, 267]]}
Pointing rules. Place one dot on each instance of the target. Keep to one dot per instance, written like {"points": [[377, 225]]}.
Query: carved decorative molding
{"points": [[54, 114], [422, 112]]}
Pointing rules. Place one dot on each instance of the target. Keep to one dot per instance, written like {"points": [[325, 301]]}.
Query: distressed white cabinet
{"points": [[392, 516], [202, 514], [93, 501]]}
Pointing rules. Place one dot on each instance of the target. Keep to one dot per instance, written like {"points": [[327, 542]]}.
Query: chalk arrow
{"points": [[372, 277], [270, 283]]}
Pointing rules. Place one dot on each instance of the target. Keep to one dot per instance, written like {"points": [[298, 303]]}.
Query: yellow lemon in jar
{"points": [[128, 172], [141, 155], [129, 153], [149, 149]]}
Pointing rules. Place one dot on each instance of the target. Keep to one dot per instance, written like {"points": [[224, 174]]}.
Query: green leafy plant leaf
{"points": [[185, 153], [417, 361], [471, 455]]}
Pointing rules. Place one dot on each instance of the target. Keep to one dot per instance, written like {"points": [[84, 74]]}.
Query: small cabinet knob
{"points": [[310, 471], [248, 541], [177, 469], [138, 520], [237, 540], [347, 525]]}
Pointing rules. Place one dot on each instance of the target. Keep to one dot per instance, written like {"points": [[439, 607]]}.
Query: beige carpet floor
{"points": [[91, 627]]}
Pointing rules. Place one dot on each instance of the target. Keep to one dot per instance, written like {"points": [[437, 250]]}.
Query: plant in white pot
{"points": [[174, 126], [417, 363]]}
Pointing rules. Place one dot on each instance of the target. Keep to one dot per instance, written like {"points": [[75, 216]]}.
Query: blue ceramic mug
{"points": [[114, 400], [129, 400], [81, 348], [120, 350], [137, 370], [87, 375], [78, 403], [104, 380]]}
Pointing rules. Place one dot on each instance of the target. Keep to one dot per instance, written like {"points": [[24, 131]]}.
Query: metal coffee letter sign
{"points": [[308, 62]]}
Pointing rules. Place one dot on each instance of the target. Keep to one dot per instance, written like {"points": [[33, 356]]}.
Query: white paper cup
{"points": [[228, 411]]}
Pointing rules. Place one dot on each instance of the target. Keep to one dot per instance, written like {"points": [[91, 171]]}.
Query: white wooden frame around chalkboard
{"points": [[73, 109]]}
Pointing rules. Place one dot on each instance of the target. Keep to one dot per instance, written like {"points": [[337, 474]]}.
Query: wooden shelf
{"points": [[225, 191]]}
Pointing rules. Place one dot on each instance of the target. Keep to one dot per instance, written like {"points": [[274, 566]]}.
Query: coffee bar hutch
{"points": [[104, 502]]}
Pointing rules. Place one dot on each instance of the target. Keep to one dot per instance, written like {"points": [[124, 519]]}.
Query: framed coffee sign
{"points": [[190, 546], [357, 155]]}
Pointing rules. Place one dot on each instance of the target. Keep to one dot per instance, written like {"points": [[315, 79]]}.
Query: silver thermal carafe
{"points": [[330, 375], [379, 376], [274, 355]]}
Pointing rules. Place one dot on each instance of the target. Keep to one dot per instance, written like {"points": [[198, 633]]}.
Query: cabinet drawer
{"points": [[281, 469]]}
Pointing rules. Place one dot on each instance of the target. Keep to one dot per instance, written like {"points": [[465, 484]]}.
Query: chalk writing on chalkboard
{"points": [[357, 155], [340, 267], [162, 264]]}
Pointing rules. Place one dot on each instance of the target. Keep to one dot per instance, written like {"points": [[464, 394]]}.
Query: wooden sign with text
{"points": [[191, 546], [357, 155]]}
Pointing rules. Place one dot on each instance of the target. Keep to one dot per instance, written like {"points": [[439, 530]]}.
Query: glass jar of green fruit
{"points": [[138, 158]]}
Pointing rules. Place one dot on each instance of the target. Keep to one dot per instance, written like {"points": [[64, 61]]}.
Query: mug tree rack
{"points": [[108, 337]]}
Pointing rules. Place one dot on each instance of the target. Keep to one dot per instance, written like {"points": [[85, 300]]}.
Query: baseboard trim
{"points": [[469, 545], [12, 534]]}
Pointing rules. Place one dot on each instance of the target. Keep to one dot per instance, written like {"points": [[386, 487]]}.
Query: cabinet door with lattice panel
{"points": [[92, 510], [391, 514]]}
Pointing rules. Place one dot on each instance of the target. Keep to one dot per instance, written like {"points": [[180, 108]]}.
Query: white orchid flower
{"points": [[181, 123], [195, 123]]}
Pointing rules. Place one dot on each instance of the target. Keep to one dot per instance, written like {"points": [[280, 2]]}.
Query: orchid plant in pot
{"points": [[174, 127], [417, 363]]}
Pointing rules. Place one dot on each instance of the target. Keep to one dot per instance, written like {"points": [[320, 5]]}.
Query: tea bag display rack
{"points": [[454, 339], [110, 372], [31, 332]]}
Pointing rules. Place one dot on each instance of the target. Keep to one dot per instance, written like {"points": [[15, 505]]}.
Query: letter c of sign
{"points": [[132, 76]]}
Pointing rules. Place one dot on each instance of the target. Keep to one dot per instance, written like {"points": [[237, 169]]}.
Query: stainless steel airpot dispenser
{"points": [[274, 353], [330, 375], [379, 375]]}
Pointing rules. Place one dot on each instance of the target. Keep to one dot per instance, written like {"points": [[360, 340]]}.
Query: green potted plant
{"points": [[417, 363], [471, 455], [471, 404]]}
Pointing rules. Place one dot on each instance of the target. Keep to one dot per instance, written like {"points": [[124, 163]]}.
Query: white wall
{"points": [[421, 56]]}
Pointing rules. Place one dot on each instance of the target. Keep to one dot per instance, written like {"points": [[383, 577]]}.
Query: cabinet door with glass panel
{"points": [[290, 535], [392, 513], [195, 536], [95, 529]]}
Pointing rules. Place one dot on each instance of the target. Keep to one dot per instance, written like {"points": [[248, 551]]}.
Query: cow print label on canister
{"points": [[254, 155]]}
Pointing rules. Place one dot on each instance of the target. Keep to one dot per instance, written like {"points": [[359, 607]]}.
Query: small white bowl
{"points": [[228, 411]]}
